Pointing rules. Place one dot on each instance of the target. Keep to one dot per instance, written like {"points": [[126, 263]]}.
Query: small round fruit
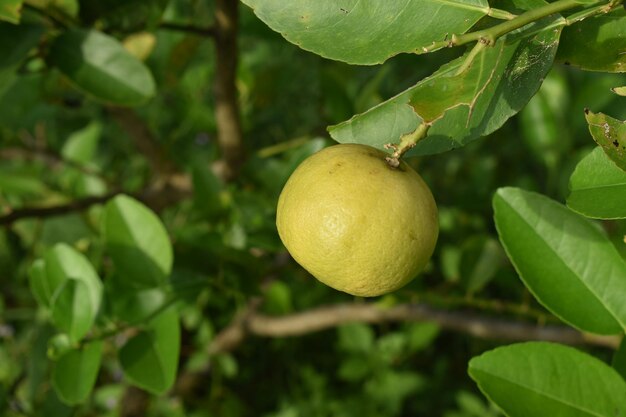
{"points": [[355, 223]]}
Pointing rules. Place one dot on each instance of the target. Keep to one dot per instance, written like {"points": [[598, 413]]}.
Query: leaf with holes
{"points": [[99, 65], [367, 31], [150, 359], [610, 134], [568, 264], [547, 379], [465, 105], [598, 179]]}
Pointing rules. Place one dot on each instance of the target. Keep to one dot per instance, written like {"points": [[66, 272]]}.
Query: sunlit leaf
{"points": [[610, 134], [546, 379], [75, 373], [367, 31], [10, 10], [565, 261], [598, 188], [620, 91], [100, 66]]}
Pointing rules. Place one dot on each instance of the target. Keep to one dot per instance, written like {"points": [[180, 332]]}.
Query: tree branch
{"points": [[250, 323], [227, 115], [195, 30]]}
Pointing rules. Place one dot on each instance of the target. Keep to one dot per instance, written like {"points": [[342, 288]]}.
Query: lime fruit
{"points": [[355, 223]]}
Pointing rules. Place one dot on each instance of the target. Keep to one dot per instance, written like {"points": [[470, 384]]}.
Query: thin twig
{"points": [[195, 30]]}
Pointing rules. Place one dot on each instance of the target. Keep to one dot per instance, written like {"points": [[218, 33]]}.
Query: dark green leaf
{"points": [[367, 31], [619, 359], [39, 284], [99, 65], [15, 44], [137, 242], [546, 379], [150, 359], [75, 288], [134, 306], [466, 106], [356, 337], [596, 44], [610, 134], [598, 188], [481, 258], [565, 261], [123, 15], [74, 375], [10, 10]]}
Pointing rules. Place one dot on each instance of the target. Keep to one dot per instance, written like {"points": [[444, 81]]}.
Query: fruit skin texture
{"points": [[355, 223]]}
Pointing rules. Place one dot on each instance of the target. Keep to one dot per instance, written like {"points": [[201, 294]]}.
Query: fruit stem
{"points": [[406, 142]]}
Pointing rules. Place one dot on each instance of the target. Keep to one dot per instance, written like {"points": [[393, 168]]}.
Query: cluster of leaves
{"points": [[114, 297]]}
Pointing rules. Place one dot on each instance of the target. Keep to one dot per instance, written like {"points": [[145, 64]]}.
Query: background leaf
{"points": [[498, 84], [619, 359], [367, 31], [610, 134], [76, 290], [547, 379], [15, 44], [150, 359], [75, 373], [81, 145], [137, 242], [565, 261], [596, 44], [598, 179], [10, 10], [620, 91], [99, 65]]}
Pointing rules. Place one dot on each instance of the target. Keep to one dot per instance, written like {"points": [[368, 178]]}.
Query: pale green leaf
{"points": [[610, 134], [620, 91], [100, 66], [598, 188], [10, 10], [138, 243], [74, 375], [541, 379], [81, 145], [150, 359], [367, 31], [565, 261]]}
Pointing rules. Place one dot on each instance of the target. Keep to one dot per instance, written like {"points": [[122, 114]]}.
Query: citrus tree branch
{"points": [[250, 323], [489, 36], [195, 30]]}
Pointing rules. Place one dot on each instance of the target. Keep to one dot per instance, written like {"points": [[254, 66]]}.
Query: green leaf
{"points": [[150, 359], [610, 134], [481, 258], [596, 44], [356, 337], [598, 188], [546, 379], [75, 373], [100, 66], [138, 243], [123, 15], [620, 91], [75, 288], [15, 44], [10, 10], [81, 146], [619, 359], [134, 306], [564, 259], [367, 31], [39, 285], [465, 106]]}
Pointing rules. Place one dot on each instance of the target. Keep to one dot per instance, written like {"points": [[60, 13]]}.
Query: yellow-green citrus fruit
{"points": [[355, 223]]}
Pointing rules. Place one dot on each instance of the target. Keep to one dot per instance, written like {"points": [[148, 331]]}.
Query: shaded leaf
{"points": [[74, 375], [619, 359], [610, 134], [138, 243], [367, 31], [465, 106], [39, 285], [598, 188], [546, 379], [355, 337], [100, 66], [596, 44], [481, 258], [10, 10], [81, 145], [150, 359], [565, 261], [123, 15], [15, 44]]}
